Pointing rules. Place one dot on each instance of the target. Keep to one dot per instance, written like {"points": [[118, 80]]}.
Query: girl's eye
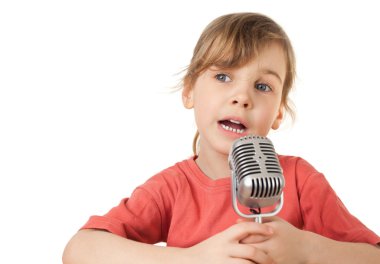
{"points": [[263, 87], [222, 77]]}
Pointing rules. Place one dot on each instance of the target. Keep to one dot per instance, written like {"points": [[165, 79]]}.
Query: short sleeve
{"points": [[324, 213], [137, 218]]}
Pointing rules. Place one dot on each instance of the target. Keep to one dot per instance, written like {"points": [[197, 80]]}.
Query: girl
{"points": [[237, 83]]}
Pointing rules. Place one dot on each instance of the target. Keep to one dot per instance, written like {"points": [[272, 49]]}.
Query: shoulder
{"points": [[168, 180], [296, 165], [299, 170]]}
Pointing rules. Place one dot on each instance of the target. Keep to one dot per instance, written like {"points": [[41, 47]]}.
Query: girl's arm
{"points": [[328, 251], [101, 247], [291, 245]]}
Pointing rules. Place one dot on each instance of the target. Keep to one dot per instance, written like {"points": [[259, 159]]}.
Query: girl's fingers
{"points": [[250, 253], [253, 239], [242, 230]]}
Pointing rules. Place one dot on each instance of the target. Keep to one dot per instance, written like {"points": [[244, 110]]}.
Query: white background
{"points": [[85, 113]]}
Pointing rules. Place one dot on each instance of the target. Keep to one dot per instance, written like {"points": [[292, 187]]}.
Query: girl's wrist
{"points": [[314, 247]]}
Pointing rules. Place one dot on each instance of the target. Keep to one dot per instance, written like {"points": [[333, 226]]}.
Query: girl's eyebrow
{"points": [[216, 68], [272, 72]]}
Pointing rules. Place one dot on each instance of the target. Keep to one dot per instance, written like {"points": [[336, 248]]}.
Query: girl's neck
{"points": [[213, 164]]}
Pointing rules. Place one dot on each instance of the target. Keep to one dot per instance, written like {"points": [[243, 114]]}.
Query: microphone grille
{"points": [[257, 170]]}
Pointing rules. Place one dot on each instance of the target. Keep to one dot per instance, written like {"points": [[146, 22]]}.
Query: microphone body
{"points": [[257, 179]]}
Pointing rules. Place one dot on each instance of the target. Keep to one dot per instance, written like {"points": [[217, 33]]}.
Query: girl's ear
{"points": [[187, 97], [277, 122]]}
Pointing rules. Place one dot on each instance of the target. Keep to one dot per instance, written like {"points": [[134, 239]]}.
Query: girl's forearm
{"points": [[328, 251], [100, 247]]}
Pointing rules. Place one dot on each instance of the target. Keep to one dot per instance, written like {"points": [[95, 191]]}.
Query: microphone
{"points": [[257, 179]]}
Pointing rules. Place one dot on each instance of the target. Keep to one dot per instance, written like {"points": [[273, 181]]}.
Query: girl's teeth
{"points": [[239, 131], [235, 122]]}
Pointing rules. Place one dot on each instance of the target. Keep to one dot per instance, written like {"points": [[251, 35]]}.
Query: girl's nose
{"points": [[242, 99], [239, 102]]}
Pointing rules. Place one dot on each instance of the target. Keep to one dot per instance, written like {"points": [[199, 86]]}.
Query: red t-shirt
{"points": [[182, 207]]}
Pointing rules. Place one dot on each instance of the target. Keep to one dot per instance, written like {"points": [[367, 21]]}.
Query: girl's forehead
{"points": [[233, 57], [271, 53]]}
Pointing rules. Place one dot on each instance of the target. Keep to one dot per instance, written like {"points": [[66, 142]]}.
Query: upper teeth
{"points": [[235, 122]]}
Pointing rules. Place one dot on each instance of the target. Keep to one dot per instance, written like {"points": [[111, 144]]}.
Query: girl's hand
{"points": [[287, 244], [226, 247]]}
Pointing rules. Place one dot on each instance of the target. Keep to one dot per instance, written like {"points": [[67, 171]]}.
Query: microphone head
{"points": [[256, 172]]}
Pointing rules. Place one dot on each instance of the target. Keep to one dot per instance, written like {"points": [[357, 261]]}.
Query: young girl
{"points": [[237, 83]]}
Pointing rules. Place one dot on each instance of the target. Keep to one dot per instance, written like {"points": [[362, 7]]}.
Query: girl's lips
{"points": [[233, 122], [232, 128]]}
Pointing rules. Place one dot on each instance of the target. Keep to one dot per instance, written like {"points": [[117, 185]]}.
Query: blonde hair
{"points": [[232, 41]]}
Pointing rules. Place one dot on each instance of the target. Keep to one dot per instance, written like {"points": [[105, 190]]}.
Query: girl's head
{"points": [[232, 41]]}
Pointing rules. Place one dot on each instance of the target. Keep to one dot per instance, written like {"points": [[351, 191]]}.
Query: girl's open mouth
{"points": [[232, 125]]}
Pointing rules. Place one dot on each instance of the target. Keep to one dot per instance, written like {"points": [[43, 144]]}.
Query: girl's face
{"points": [[231, 103]]}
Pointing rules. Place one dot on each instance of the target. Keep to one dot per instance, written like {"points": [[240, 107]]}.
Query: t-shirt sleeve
{"points": [[137, 218], [324, 213]]}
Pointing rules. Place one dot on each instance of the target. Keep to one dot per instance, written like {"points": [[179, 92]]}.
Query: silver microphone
{"points": [[257, 179]]}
